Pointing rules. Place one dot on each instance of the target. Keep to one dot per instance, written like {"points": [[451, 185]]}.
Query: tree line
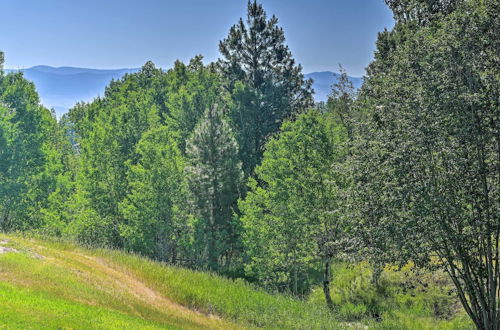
{"points": [[231, 167]]}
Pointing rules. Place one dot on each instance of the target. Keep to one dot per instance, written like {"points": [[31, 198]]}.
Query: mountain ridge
{"points": [[60, 88]]}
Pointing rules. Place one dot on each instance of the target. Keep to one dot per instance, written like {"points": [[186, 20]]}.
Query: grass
{"points": [[59, 285], [51, 284], [235, 300], [406, 298], [24, 308]]}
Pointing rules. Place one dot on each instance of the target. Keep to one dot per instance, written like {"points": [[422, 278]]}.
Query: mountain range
{"points": [[60, 88]]}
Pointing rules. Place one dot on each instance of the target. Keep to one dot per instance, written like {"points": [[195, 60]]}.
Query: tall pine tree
{"points": [[266, 84]]}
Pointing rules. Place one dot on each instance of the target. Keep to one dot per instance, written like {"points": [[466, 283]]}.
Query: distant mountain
{"points": [[61, 88], [323, 82]]}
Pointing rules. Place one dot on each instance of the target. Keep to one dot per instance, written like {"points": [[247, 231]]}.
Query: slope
{"points": [[58, 285], [55, 287]]}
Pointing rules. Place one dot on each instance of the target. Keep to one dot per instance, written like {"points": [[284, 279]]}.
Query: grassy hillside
{"points": [[58, 285]]}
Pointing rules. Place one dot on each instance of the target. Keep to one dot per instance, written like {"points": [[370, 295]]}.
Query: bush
{"points": [[405, 297]]}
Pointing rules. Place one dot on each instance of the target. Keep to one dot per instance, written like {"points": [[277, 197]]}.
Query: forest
{"points": [[231, 167]]}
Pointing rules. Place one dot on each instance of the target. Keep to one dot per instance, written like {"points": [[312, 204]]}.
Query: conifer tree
{"points": [[214, 176], [266, 84]]}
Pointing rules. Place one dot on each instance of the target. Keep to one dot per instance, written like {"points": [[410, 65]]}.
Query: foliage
{"points": [[287, 216], [432, 181], [190, 90], [406, 297], [406, 169], [28, 158], [214, 177], [153, 223], [266, 85]]}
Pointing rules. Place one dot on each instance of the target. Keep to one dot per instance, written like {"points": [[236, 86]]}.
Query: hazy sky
{"points": [[127, 33]]}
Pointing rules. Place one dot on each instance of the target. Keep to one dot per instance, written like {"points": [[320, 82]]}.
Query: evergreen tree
{"points": [[214, 176], [266, 84]]}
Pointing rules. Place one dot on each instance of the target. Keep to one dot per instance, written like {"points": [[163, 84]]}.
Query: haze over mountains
{"points": [[61, 88]]}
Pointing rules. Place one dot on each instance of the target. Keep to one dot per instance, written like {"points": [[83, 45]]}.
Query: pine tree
{"points": [[266, 84], [214, 176]]}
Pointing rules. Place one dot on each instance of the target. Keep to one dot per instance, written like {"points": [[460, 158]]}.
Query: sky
{"points": [[111, 34]]}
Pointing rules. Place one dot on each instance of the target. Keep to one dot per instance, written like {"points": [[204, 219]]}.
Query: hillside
{"points": [[66, 287], [61, 88], [59, 285], [55, 285]]}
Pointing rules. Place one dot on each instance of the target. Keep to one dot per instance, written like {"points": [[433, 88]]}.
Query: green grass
{"points": [[24, 308], [83, 292], [407, 298], [110, 288], [50, 284], [235, 300]]}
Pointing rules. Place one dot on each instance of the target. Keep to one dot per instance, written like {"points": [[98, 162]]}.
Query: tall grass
{"points": [[406, 298], [233, 299]]}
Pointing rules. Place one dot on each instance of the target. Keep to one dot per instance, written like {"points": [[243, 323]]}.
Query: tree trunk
{"points": [[377, 272], [327, 277], [295, 280]]}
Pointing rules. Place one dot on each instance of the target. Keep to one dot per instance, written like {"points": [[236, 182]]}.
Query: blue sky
{"points": [[127, 33]]}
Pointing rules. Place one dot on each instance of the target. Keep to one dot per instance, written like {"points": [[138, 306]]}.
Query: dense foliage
{"points": [[266, 85], [427, 159], [229, 167]]}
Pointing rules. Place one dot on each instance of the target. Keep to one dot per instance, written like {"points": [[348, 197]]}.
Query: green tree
{"points": [[215, 177], [26, 156], [420, 11], [62, 168], [265, 83], [109, 130], [290, 220], [428, 158], [190, 90], [153, 223]]}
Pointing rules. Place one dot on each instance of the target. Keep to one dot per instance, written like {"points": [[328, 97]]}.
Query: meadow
{"points": [[55, 284]]}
